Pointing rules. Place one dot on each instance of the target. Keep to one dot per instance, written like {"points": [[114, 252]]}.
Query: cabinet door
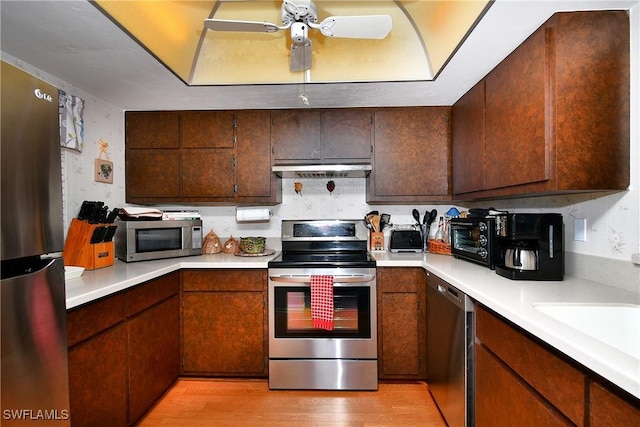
{"points": [[152, 173], [502, 399], [253, 147], [607, 409], [296, 136], [467, 141], [516, 148], [592, 113], [224, 322], [223, 333], [154, 354], [411, 155], [152, 129], [98, 380], [206, 129], [534, 363], [207, 173], [347, 134], [401, 323]]}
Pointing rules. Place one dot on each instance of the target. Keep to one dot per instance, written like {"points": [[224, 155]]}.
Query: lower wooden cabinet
{"points": [[521, 381], [504, 399], [154, 354], [402, 323], [609, 409], [224, 323], [98, 379], [123, 353]]}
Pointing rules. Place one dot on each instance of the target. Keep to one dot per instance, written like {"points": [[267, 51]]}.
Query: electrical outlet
{"points": [[580, 229]]}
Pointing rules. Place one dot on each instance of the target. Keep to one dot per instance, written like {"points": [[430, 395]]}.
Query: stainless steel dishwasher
{"points": [[450, 337]]}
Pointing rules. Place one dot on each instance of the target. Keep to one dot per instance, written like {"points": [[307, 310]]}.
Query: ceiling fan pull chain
{"points": [[303, 96]]}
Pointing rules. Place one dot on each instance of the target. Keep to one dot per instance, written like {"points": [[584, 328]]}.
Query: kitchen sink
{"points": [[617, 325]]}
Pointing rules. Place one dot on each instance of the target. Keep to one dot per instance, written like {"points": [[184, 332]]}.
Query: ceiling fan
{"points": [[301, 15]]}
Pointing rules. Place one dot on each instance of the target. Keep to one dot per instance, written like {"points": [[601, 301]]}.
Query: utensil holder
{"points": [[376, 241]]}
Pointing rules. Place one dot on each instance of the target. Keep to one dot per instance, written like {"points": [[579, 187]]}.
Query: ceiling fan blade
{"points": [[300, 57], [242, 26], [356, 27]]}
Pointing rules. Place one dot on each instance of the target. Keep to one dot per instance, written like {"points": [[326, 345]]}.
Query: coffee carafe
{"points": [[521, 256], [533, 246]]}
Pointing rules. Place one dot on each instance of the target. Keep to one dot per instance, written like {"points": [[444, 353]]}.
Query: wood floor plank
{"points": [[250, 403]]}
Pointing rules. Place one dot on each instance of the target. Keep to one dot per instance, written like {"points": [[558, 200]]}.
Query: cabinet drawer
{"points": [[150, 293], [224, 280], [535, 364], [88, 320]]}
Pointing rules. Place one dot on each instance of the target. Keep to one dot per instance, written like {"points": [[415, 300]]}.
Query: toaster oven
{"points": [[474, 239]]}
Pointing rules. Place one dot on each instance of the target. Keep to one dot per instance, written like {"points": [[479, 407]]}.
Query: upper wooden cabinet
{"points": [[467, 136], [206, 129], [555, 113], [152, 129], [322, 136], [199, 156], [412, 156]]}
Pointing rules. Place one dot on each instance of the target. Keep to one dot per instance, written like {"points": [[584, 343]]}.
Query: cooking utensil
{"points": [[416, 216], [112, 216], [385, 220], [367, 220], [375, 222]]}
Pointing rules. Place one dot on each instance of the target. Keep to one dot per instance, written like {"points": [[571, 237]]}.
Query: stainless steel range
{"points": [[304, 356]]}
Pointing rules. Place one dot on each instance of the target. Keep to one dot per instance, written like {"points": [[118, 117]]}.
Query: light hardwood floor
{"points": [[244, 403]]}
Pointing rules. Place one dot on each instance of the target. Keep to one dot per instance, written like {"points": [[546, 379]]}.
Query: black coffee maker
{"points": [[532, 244]]}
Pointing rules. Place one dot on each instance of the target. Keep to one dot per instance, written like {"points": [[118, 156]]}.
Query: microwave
{"points": [[474, 239], [147, 240]]}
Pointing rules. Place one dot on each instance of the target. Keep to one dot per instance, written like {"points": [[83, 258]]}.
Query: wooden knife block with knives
{"points": [[89, 245]]}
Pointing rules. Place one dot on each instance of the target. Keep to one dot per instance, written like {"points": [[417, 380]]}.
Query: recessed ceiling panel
{"points": [[423, 37]]}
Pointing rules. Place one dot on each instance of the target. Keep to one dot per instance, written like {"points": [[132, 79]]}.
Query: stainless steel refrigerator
{"points": [[35, 380]]}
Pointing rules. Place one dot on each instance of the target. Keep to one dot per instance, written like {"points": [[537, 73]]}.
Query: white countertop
{"points": [[512, 299]]}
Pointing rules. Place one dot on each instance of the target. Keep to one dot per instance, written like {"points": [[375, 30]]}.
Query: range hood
{"points": [[358, 170]]}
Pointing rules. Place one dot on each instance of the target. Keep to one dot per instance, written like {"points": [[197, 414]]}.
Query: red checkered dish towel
{"points": [[322, 302]]}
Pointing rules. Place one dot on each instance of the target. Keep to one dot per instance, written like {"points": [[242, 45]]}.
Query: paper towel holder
{"points": [[253, 214]]}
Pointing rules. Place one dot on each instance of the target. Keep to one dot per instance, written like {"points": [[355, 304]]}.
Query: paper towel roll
{"points": [[252, 214]]}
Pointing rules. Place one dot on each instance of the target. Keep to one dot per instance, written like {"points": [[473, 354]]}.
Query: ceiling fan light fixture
{"points": [[299, 32]]}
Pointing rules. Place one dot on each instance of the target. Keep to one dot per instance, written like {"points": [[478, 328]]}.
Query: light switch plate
{"points": [[580, 229]]}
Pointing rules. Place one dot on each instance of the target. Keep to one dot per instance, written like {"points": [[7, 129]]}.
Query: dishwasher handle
{"points": [[457, 297]]}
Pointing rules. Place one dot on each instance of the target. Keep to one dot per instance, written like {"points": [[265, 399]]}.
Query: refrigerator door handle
{"points": [[51, 255]]}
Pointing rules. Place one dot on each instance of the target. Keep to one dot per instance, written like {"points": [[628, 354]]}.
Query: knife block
{"points": [[79, 251]]}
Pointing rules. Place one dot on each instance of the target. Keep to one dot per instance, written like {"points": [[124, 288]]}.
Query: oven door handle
{"points": [[336, 279]]}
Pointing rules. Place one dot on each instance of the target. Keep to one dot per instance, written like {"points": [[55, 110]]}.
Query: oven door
{"points": [[470, 240], [291, 334]]}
